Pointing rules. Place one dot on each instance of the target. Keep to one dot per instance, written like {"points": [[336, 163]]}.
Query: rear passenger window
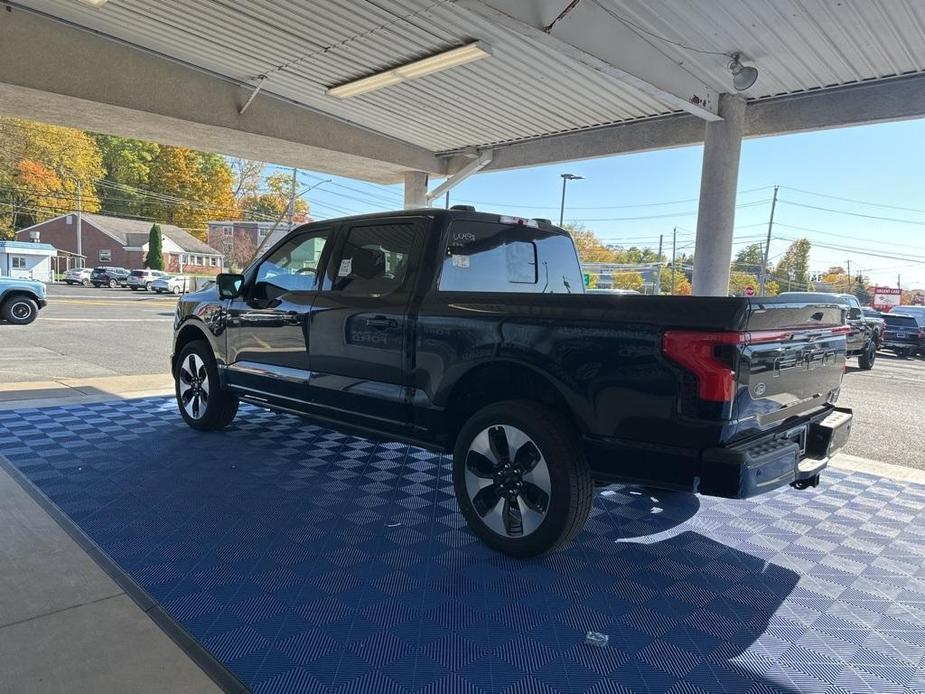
{"points": [[374, 260], [494, 257]]}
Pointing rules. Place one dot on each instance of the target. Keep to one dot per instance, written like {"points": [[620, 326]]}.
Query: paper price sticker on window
{"points": [[346, 267], [461, 261]]}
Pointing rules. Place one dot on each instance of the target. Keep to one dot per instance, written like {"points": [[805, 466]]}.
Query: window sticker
{"points": [[346, 267], [460, 261]]}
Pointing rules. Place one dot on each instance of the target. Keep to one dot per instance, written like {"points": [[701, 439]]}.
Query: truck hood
{"points": [[32, 285]]}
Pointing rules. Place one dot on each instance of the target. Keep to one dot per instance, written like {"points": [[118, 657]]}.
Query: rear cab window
{"points": [[485, 256]]}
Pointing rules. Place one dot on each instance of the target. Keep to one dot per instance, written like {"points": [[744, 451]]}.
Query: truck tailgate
{"points": [[792, 362]]}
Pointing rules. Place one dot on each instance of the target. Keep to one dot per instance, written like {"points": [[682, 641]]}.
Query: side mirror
{"points": [[229, 284], [855, 313]]}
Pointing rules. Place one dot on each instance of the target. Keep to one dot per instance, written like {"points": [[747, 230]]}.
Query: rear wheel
{"points": [[147, 286], [521, 479], [86, 283], [20, 310], [113, 284], [202, 402], [175, 289], [868, 357]]}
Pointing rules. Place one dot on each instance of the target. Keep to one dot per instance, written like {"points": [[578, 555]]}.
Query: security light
{"points": [[94, 3], [743, 76], [410, 71]]}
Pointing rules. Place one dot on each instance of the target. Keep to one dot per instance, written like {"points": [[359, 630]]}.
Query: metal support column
{"points": [[716, 213]]}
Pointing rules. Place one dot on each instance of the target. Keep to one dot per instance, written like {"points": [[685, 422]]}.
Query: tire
{"points": [[175, 289], [208, 408], [868, 357], [86, 283], [555, 491], [19, 310], [147, 286], [113, 284]]}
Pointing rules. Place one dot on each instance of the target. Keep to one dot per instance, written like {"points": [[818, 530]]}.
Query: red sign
{"points": [[886, 298], [749, 291]]}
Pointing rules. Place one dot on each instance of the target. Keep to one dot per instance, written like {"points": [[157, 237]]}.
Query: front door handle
{"points": [[381, 322]]}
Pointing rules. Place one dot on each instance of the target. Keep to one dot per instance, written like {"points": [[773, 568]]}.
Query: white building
{"points": [[26, 260]]}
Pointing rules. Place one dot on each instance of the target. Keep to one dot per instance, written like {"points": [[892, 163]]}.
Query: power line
{"points": [[853, 200], [854, 214], [843, 236], [669, 215]]}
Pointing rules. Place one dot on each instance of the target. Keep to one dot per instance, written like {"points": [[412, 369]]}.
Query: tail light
{"points": [[699, 352]]}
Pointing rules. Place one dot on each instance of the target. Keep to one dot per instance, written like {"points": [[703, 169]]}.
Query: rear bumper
{"points": [[758, 466], [793, 455]]}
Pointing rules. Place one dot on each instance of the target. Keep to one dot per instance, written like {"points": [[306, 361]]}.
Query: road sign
{"points": [[749, 291]]}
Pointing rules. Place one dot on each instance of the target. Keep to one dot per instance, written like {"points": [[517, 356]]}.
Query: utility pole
{"points": [[80, 260], [848, 278], [767, 245], [658, 268], [291, 211], [674, 247]]}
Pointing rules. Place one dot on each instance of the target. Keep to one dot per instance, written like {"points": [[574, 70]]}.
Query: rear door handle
{"points": [[381, 322]]}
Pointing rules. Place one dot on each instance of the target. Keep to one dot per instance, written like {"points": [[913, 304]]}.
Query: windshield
{"points": [[900, 321]]}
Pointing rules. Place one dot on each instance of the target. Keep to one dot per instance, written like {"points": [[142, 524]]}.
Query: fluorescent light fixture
{"points": [[94, 3], [426, 66]]}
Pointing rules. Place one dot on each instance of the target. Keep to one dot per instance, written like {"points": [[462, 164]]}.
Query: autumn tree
{"points": [[271, 202], [190, 188], [590, 248], [628, 280], [41, 167]]}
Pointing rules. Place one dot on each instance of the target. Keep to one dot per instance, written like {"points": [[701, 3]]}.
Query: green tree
{"points": [[128, 167], [749, 259], [155, 257], [793, 267]]}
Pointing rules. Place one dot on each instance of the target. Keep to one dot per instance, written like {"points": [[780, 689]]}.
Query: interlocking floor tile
{"points": [[307, 560]]}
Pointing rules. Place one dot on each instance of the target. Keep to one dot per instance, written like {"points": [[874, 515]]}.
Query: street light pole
{"points": [[80, 261], [566, 177]]}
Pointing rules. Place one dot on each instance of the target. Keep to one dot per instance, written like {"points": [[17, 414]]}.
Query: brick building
{"points": [[120, 242]]}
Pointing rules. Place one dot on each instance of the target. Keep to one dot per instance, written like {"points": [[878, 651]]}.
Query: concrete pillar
{"points": [[716, 213], [415, 190]]}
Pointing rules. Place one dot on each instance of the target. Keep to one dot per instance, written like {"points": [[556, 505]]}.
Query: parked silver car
{"points": [[78, 275], [172, 285], [143, 279]]}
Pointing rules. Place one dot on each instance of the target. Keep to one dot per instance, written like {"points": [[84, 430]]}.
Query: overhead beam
{"points": [[473, 167], [898, 98], [590, 36], [53, 72]]}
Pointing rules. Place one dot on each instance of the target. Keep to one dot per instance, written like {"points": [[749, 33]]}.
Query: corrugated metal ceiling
{"points": [[523, 90]]}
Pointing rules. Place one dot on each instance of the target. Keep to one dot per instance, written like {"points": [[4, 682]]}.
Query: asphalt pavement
{"points": [[90, 333], [87, 332]]}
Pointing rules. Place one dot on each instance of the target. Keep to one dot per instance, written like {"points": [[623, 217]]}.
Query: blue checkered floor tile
{"points": [[306, 560]]}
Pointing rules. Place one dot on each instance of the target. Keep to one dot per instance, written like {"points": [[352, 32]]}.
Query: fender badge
{"points": [[760, 388]]}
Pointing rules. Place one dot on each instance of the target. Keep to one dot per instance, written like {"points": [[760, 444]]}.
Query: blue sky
{"points": [[631, 199]]}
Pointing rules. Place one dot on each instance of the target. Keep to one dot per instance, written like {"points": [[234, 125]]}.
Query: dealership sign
{"points": [[886, 298]]}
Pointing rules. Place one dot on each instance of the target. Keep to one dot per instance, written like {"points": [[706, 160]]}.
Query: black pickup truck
{"points": [[471, 333]]}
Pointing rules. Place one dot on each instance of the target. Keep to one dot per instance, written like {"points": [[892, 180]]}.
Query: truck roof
{"points": [[438, 213]]}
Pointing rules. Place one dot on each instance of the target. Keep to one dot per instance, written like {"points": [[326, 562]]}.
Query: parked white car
{"points": [[78, 275], [143, 279], [171, 285]]}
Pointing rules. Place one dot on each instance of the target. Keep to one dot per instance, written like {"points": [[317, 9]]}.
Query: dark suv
{"points": [[109, 277], [903, 334]]}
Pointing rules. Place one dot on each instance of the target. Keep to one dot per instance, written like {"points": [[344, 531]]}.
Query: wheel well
{"points": [[18, 292], [188, 333], [492, 383]]}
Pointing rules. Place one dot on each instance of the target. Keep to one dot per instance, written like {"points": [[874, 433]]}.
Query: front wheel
{"points": [[521, 478], [867, 359], [19, 310], [147, 286], [175, 289], [202, 402]]}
